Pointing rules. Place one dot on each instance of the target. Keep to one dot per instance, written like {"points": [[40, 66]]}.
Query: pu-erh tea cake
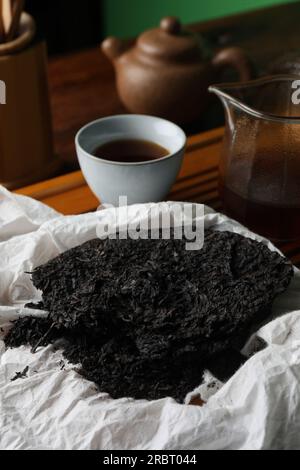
{"points": [[145, 318]]}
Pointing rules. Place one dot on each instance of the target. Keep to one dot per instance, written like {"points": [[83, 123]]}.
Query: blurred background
{"points": [[73, 24], [79, 83]]}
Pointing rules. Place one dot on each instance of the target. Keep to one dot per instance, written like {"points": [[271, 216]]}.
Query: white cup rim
{"points": [[127, 117]]}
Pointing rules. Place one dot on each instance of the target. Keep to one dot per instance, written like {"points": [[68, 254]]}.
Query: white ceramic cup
{"points": [[141, 182]]}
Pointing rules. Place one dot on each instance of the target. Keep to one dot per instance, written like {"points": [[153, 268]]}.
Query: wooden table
{"points": [[197, 182], [82, 85]]}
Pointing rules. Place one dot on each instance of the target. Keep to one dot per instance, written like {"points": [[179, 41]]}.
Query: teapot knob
{"points": [[171, 25]]}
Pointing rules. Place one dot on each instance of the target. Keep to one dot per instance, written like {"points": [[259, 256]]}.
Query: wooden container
{"points": [[26, 143]]}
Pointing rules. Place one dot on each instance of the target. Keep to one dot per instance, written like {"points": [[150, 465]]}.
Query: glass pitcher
{"points": [[260, 162]]}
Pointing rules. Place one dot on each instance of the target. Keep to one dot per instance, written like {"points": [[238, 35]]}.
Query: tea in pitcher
{"points": [[260, 164], [274, 222]]}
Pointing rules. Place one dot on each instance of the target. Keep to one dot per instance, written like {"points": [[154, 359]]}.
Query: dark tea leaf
{"points": [[144, 318]]}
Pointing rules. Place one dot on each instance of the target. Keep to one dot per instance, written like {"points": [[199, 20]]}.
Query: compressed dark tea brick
{"points": [[143, 317], [27, 330]]}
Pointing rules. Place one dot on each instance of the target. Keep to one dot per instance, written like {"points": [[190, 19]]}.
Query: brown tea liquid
{"points": [[130, 151], [271, 221]]}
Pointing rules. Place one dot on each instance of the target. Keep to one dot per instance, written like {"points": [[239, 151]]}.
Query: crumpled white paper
{"points": [[55, 408]]}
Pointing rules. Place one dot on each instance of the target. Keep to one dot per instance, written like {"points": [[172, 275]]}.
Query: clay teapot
{"points": [[167, 74]]}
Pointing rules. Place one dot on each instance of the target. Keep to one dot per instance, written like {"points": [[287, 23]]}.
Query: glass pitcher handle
{"points": [[237, 58]]}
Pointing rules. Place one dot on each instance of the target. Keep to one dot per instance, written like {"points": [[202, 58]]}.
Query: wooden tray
{"points": [[197, 182]]}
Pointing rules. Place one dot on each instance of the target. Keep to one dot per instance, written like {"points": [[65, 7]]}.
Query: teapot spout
{"points": [[113, 48]]}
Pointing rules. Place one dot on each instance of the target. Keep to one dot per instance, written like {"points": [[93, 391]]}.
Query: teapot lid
{"points": [[170, 41]]}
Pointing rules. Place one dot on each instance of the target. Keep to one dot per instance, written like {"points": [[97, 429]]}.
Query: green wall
{"points": [[125, 18]]}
